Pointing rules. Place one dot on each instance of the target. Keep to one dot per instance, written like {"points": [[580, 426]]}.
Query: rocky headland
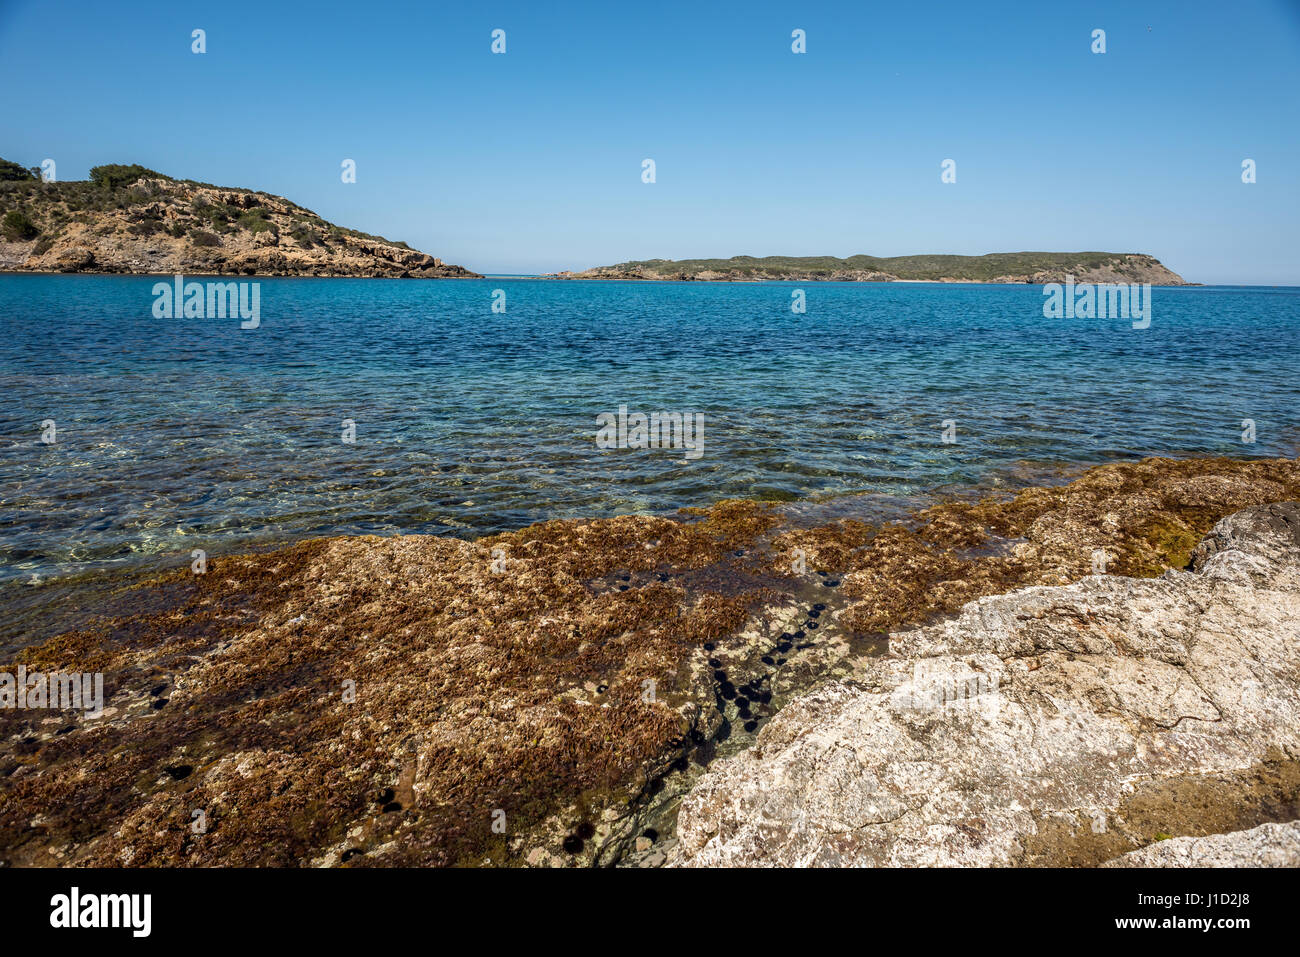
{"points": [[128, 219], [553, 696], [1026, 267]]}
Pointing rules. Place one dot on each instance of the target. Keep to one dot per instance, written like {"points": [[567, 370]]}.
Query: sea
{"points": [[464, 407]]}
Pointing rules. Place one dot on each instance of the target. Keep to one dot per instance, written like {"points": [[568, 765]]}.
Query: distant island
{"points": [[129, 219], [1091, 267]]}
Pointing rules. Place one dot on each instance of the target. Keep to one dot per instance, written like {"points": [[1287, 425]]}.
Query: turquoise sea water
{"points": [[173, 434]]}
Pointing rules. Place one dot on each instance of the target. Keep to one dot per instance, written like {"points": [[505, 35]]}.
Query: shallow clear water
{"points": [[192, 433]]}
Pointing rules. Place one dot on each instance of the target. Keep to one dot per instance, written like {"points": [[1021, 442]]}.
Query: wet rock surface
{"points": [[1058, 725], [547, 697]]}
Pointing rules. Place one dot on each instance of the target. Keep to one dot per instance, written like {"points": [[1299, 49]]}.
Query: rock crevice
{"points": [[1102, 706]]}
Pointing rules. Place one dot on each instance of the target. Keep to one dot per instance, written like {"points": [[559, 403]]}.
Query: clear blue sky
{"points": [[531, 161]]}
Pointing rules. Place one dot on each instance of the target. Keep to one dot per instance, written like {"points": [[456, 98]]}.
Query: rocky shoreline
{"points": [[131, 220], [552, 696], [1056, 725]]}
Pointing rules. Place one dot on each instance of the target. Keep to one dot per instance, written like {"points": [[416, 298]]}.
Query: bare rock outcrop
{"points": [[1052, 725], [1269, 845]]}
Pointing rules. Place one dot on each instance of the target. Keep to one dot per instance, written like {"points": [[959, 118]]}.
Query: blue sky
{"points": [[531, 161]]}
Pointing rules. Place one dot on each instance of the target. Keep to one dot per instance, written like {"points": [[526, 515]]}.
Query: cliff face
{"points": [[995, 267], [133, 220]]}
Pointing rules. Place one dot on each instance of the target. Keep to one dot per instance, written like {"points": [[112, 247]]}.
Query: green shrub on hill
{"points": [[16, 226], [254, 220], [924, 267], [12, 172], [305, 236], [115, 175]]}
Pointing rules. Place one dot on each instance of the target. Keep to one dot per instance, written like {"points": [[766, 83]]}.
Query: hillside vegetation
{"points": [[130, 219], [1034, 267]]}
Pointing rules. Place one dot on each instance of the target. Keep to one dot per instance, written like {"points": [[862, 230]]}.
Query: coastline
{"points": [[130, 220], [495, 673], [999, 268], [12, 271], [109, 579], [913, 282], [200, 274]]}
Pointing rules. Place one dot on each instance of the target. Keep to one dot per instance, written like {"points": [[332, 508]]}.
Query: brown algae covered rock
{"points": [[547, 696]]}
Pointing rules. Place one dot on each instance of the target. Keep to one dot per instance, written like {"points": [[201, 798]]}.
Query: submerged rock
{"points": [[1052, 725]]}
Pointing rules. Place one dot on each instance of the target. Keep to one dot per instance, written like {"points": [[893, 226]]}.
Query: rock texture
{"points": [[362, 700], [994, 267], [1052, 725], [367, 700], [145, 222], [1269, 845]]}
